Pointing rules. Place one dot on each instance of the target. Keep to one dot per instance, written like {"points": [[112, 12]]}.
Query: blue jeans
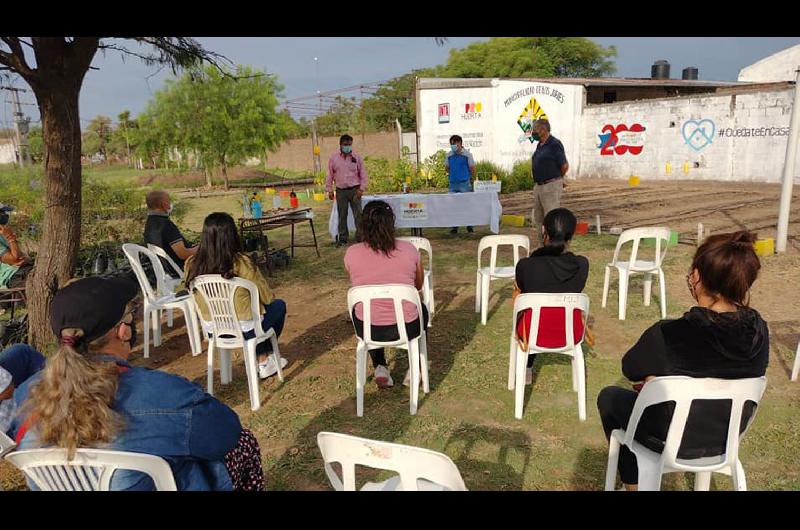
{"points": [[21, 361], [461, 187], [274, 318]]}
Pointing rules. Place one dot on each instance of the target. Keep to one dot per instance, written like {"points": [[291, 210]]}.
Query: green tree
{"points": [[56, 78], [97, 137], [342, 117], [121, 144], [530, 57], [36, 144]]}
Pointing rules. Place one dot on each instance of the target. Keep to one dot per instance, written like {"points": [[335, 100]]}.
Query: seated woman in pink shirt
{"points": [[381, 259]]}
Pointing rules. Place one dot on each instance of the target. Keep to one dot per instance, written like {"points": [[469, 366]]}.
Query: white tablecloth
{"points": [[433, 210]]}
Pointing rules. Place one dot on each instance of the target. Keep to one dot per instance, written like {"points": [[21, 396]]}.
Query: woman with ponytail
{"points": [[720, 337], [382, 259], [550, 269], [89, 396]]}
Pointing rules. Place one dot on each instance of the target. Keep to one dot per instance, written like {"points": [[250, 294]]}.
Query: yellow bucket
{"points": [[319, 197], [765, 247], [513, 220], [269, 191], [633, 181]]}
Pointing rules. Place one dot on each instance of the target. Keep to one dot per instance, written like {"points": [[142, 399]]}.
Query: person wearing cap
{"points": [[88, 395], [14, 264], [17, 364]]}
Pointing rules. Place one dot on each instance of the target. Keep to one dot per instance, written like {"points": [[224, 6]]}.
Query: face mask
{"points": [[535, 137], [347, 149], [454, 147]]}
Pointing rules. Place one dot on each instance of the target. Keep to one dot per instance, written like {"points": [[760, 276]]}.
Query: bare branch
{"points": [[15, 59]]}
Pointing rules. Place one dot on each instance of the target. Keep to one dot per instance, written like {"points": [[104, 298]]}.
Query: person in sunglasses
{"points": [[89, 396], [720, 337]]}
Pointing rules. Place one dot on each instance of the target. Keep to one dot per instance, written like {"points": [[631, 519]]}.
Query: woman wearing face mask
{"points": [[89, 396], [550, 269], [720, 337]]}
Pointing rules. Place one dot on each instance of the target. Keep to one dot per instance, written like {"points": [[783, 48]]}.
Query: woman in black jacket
{"points": [[720, 337]]}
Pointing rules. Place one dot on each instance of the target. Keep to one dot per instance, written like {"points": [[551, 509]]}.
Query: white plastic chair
{"points": [[417, 347], [517, 362], [6, 444], [227, 330], [421, 243], [90, 470], [418, 469], [485, 275], [796, 368], [683, 390], [154, 302], [170, 283], [636, 266]]}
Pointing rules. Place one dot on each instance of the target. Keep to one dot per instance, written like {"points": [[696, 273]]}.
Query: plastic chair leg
{"points": [[210, 367], [512, 360], [613, 461], [606, 285], [519, 384], [146, 323], [702, 481], [413, 363], [423, 362], [252, 373], [155, 316], [361, 371], [649, 475], [663, 291], [485, 282], [478, 284], [796, 368], [191, 329], [623, 293], [574, 366], [225, 366], [581, 370], [648, 288], [432, 308], [276, 355], [169, 318], [739, 479]]}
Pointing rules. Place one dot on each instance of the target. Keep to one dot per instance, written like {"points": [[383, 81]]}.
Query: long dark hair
{"points": [[377, 226], [728, 265], [219, 247], [560, 227]]}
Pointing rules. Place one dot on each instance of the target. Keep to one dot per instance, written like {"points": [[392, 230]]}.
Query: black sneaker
{"points": [[454, 230], [469, 229]]}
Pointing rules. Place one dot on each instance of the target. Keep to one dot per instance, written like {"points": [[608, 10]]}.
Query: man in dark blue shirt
{"points": [[549, 165]]}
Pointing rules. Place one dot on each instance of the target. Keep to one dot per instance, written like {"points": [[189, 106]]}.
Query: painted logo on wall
{"points": [[621, 139], [698, 134], [472, 111], [444, 112], [532, 112]]}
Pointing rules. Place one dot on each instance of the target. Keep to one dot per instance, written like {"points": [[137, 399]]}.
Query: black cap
{"points": [[94, 305]]}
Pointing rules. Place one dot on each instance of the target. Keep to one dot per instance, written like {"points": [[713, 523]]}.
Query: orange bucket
{"points": [[284, 193]]}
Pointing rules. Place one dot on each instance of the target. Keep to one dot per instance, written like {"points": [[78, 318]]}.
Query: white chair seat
{"points": [[395, 484], [499, 272], [639, 266]]}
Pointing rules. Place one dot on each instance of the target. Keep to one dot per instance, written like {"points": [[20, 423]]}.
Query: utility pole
{"points": [[315, 146], [20, 126], [788, 170]]}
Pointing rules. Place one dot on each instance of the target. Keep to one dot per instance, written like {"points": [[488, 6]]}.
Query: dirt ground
{"points": [[469, 412]]}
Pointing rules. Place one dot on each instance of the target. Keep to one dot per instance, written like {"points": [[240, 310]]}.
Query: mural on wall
{"points": [[532, 112], [444, 112], [698, 134], [621, 139]]}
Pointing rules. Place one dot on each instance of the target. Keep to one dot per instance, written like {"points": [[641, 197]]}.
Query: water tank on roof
{"points": [[690, 73], [660, 70]]}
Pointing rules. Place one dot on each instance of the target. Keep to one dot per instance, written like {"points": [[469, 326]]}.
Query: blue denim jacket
{"points": [[168, 416]]}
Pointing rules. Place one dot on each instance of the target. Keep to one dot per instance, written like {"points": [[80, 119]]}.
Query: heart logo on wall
{"points": [[698, 134]]}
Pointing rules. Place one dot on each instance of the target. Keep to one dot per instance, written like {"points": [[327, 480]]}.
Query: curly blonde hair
{"points": [[71, 404]]}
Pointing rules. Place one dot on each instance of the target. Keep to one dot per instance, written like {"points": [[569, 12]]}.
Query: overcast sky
{"points": [[344, 62]]}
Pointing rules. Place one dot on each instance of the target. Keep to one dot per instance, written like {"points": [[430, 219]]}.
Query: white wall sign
{"points": [[487, 185]]}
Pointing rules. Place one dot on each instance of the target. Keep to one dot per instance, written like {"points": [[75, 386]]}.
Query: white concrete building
{"points": [[7, 152]]}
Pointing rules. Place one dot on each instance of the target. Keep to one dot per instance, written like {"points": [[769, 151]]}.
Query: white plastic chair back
{"points": [[683, 391], [6, 444], [660, 233], [411, 463], [796, 367], [218, 294], [536, 301], [397, 293], [516, 241], [90, 470], [160, 252], [421, 243], [134, 252]]}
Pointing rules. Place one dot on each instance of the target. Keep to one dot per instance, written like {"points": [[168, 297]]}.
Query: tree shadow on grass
{"points": [[786, 333], [386, 412], [494, 457]]}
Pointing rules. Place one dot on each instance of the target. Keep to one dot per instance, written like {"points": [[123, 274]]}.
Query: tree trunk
{"points": [[61, 228], [225, 174]]}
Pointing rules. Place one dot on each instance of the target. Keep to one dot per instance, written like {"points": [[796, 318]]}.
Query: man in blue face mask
{"points": [[347, 173], [460, 170]]}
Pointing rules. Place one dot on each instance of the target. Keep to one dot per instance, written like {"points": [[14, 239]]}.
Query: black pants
{"points": [[346, 197], [388, 333], [615, 405]]}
